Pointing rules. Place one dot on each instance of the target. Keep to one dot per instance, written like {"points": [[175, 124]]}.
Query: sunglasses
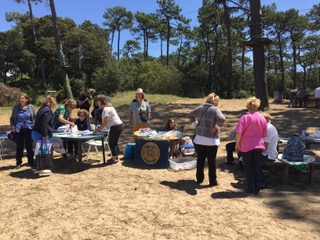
{"points": [[82, 115]]}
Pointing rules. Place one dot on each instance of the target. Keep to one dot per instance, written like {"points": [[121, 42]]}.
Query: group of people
{"points": [[31, 126], [256, 141], [255, 136], [298, 96]]}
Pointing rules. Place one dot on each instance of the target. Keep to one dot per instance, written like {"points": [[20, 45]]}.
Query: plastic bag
{"points": [[44, 158]]}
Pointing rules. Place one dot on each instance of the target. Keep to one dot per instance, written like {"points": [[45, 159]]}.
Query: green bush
{"points": [[242, 94]]}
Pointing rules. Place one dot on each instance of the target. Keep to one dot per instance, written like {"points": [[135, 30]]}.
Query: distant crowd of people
{"points": [[299, 97]]}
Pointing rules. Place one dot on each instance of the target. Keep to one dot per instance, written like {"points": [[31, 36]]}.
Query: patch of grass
{"points": [[120, 101], [123, 99]]}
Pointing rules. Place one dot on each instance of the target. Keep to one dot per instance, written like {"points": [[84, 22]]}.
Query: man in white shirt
{"points": [[271, 143]]}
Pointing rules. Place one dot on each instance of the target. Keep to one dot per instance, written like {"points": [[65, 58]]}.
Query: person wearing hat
{"points": [[139, 111]]}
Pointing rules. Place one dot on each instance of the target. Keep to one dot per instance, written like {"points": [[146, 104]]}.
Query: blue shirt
{"points": [[23, 119]]}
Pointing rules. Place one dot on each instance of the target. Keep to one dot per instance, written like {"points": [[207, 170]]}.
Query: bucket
{"points": [[129, 152]]}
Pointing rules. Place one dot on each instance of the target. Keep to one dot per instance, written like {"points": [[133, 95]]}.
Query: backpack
{"points": [[294, 150]]}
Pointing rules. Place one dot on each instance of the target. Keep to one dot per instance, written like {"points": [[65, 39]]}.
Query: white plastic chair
{"points": [[96, 144]]}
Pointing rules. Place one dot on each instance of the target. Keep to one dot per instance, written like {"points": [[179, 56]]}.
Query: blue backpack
{"points": [[294, 150]]}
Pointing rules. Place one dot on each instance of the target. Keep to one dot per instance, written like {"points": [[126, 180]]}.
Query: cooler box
{"points": [[152, 153], [129, 151]]}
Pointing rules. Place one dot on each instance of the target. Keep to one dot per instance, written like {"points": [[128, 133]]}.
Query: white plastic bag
{"points": [[67, 128]]}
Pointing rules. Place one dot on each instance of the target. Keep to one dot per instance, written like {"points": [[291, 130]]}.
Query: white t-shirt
{"points": [[113, 118], [272, 140], [206, 141]]}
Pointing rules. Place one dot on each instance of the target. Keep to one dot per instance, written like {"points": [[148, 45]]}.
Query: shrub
{"points": [[8, 95], [242, 94]]}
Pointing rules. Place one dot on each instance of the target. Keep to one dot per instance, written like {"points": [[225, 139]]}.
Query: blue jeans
{"points": [[251, 162]]}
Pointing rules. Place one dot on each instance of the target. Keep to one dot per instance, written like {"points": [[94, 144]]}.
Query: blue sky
{"points": [[80, 10]]}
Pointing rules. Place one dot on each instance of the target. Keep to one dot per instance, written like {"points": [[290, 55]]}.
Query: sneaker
{"points": [[18, 166], [112, 161]]}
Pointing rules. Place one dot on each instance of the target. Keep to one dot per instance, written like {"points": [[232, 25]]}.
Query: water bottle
{"points": [[303, 134]]}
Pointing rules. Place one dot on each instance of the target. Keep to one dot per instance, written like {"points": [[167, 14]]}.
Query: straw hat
{"points": [[139, 90]]}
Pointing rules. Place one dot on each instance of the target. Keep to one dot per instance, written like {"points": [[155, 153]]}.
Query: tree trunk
{"points": [[145, 46], [35, 39], [112, 39], [118, 45], [161, 49], [279, 37], [242, 68], [67, 88], [168, 42], [229, 40], [258, 54], [294, 54]]}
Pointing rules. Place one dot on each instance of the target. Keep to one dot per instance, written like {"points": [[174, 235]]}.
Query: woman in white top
{"points": [[112, 124]]}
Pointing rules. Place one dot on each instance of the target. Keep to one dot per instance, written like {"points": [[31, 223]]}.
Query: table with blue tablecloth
{"points": [[79, 138], [152, 147]]}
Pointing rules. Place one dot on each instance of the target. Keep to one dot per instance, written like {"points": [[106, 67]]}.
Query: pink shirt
{"points": [[252, 127]]}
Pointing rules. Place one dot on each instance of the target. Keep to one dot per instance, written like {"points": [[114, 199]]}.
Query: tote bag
{"points": [[44, 158]]}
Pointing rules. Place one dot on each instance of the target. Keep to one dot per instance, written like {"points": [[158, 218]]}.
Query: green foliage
{"points": [[77, 86], [152, 76], [107, 78], [242, 94], [195, 80], [67, 90], [202, 57], [157, 78]]}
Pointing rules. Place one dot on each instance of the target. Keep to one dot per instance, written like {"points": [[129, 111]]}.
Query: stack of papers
{"points": [[85, 132]]}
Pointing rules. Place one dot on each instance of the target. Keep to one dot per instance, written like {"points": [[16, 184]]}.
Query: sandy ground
{"points": [[123, 201]]}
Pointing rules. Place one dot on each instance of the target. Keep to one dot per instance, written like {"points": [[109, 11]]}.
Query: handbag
{"points": [[44, 158], [12, 136], [143, 116]]}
